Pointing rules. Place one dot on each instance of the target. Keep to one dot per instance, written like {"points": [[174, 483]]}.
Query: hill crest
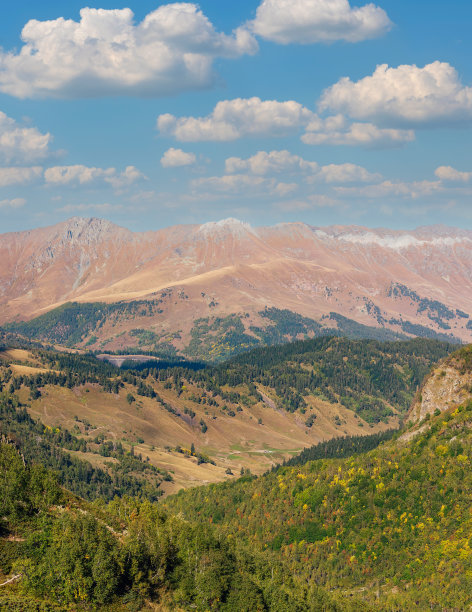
{"points": [[404, 281]]}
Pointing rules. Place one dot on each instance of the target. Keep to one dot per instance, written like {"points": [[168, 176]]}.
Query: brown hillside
{"points": [[376, 277]]}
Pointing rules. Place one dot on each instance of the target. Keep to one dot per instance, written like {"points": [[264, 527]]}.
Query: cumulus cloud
{"points": [[14, 203], [83, 175], [264, 162], [337, 130], [274, 162], [403, 95], [64, 175], [174, 158], [346, 173], [283, 189], [310, 202], [233, 119], [19, 143], [229, 183], [19, 176], [106, 53], [387, 188], [447, 173], [98, 208], [314, 21], [130, 175], [233, 184]]}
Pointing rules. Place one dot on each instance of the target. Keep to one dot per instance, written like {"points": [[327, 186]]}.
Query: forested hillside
{"points": [[368, 377], [58, 552], [387, 529], [110, 431], [127, 327], [392, 525]]}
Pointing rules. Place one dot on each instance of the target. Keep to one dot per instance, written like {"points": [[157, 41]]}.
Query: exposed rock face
{"points": [[448, 386], [385, 278]]}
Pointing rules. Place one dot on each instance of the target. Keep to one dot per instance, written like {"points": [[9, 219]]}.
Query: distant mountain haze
{"points": [[377, 277]]}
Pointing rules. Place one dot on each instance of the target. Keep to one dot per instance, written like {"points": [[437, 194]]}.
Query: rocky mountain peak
{"points": [[88, 229], [226, 227]]}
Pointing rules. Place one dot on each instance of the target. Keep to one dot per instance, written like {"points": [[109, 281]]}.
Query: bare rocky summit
{"points": [[383, 278]]}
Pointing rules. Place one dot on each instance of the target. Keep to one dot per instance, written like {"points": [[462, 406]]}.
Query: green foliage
{"points": [[49, 446], [71, 323], [397, 517], [356, 331], [25, 490], [436, 311], [366, 376], [219, 338], [77, 561], [389, 529], [131, 552], [285, 326], [216, 339], [340, 448]]}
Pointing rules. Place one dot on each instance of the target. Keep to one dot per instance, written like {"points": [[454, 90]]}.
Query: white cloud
{"points": [[19, 176], [174, 158], [336, 130], [346, 173], [82, 175], [447, 173], [314, 21], [23, 144], [283, 189], [130, 175], [14, 203], [310, 202], [99, 208], [229, 183], [233, 184], [143, 196], [106, 53], [412, 190], [233, 119], [274, 161], [403, 95], [64, 175]]}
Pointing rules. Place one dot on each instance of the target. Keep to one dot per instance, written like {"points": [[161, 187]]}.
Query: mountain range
{"points": [[222, 286]]}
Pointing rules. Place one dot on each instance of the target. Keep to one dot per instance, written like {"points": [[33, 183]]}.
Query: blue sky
{"points": [[152, 114]]}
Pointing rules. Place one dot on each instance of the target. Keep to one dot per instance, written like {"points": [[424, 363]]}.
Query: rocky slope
{"points": [[448, 386], [397, 280]]}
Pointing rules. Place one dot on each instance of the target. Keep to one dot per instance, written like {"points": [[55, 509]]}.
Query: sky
{"points": [[152, 114]]}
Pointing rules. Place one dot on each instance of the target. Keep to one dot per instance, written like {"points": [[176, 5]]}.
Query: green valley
{"points": [[91, 456]]}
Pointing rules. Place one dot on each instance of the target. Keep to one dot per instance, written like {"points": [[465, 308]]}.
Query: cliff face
{"points": [[448, 386], [392, 279]]}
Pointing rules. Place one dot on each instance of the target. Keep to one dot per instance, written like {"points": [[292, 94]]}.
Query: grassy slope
{"points": [[253, 431], [233, 442]]}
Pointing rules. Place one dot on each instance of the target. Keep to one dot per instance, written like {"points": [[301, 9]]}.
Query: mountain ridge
{"points": [[377, 277]]}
